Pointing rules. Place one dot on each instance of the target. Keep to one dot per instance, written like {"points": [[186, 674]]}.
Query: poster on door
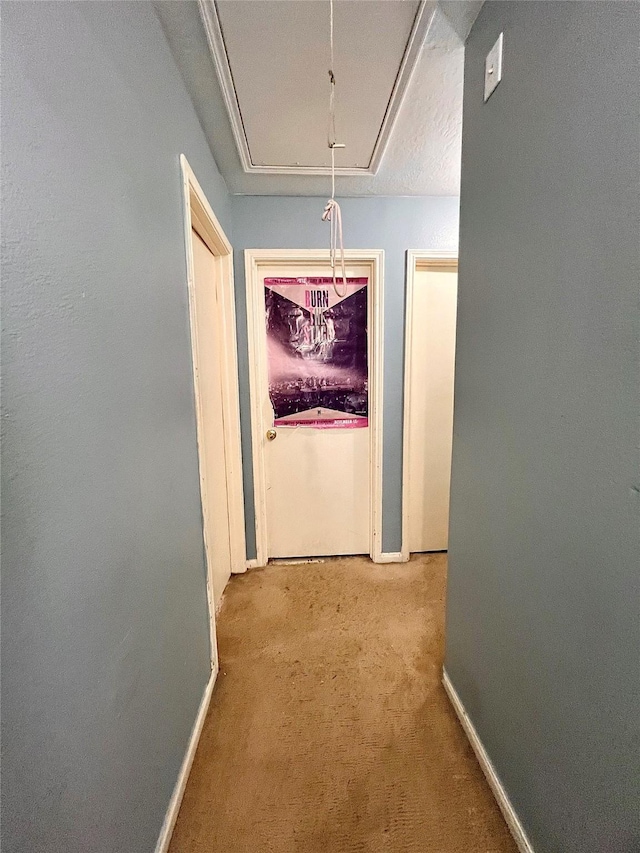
{"points": [[317, 352]]}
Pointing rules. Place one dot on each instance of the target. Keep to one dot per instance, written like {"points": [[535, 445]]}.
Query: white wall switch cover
{"points": [[493, 67]]}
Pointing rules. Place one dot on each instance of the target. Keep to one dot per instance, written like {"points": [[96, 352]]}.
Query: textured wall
{"points": [[392, 224], [543, 628], [105, 639]]}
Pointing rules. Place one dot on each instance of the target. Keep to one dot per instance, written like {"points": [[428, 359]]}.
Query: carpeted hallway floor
{"points": [[329, 730]]}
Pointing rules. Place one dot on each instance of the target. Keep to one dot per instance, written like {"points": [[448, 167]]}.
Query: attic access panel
{"points": [[272, 58]]}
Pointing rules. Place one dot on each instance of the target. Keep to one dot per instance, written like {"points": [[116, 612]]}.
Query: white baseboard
{"points": [[384, 557], [502, 798], [390, 557], [178, 792]]}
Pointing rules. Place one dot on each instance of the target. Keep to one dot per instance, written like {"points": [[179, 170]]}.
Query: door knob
{"points": [[271, 434]]}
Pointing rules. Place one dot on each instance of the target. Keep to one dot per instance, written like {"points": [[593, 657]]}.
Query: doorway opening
{"points": [[430, 337], [215, 377]]}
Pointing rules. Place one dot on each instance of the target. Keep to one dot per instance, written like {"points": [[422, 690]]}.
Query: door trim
{"points": [[199, 215], [424, 260], [255, 260]]}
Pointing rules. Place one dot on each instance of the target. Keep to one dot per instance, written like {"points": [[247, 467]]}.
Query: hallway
{"points": [[329, 729]]}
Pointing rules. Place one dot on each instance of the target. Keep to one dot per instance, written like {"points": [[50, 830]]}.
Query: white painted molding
{"points": [[181, 783], [257, 379], [255, 259], [413, 259], [218, 50], [421, 25], [391, 557], [198, 213], [254, 564], [499, 792], [375, 323]]}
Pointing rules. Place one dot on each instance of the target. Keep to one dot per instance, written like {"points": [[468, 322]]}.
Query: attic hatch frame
{"points": [[217, 47]]}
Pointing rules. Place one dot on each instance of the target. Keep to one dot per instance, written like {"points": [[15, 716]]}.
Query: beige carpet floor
{"points": [[329, 730]]}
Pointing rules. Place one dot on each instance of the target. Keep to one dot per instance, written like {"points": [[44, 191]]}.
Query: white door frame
{"points": [[255, 261], [198, 214], [431, 260]]}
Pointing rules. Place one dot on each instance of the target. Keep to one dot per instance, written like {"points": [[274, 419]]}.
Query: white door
{"points": [[211, 442], [314, 406], [432, 336]]}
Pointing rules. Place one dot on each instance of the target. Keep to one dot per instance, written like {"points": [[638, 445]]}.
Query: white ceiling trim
{"points": [[213, 29]]}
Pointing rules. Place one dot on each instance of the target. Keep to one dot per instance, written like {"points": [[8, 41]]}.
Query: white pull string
{"points": [[332, 213]]}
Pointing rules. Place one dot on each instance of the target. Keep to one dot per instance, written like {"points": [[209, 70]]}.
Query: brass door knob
{"points": [[271, 434]]}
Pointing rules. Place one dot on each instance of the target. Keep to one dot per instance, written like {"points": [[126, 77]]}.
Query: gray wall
{"points": [[392, 224], [543, 628], [105, 639]]}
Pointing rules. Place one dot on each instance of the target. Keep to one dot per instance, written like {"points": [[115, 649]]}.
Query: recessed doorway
{"points": [[430, 339]]}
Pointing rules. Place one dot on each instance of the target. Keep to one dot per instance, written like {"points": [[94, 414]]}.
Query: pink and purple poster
{"points": [[317, 352]]}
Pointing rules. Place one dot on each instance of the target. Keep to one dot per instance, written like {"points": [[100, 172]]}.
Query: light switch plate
{"points": [[493, 67]]}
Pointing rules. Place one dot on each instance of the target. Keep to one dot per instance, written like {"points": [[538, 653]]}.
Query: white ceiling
{"points": [[266, 120]]}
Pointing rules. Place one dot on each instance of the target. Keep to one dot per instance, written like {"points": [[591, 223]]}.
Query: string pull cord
{"points": [[332, 212], [333, 215]]}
